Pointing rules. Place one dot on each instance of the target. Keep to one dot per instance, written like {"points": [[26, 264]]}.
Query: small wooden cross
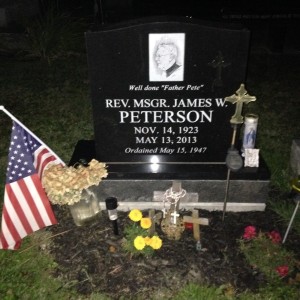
{"points": [[196, 223], [151, 230], [239, 99], [176, 187]]}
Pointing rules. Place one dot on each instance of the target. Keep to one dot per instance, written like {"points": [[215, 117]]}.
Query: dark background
{"points": [[274, 23]]}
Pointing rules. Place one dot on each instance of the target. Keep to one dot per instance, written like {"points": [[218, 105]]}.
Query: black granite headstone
{"points": [[158, 91]]}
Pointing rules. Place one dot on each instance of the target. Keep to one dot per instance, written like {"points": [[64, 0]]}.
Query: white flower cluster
{"points": [[64, 185]]}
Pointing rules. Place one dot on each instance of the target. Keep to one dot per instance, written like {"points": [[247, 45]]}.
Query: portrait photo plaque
{"points": [[166, 57]]}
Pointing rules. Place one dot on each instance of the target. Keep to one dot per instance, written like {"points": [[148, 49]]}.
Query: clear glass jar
{"points": [[87, 210]]}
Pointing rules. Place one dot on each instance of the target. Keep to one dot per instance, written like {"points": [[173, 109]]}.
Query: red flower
{"points": [[282, 270], [275, 236], [188, 226], [249, 233]]}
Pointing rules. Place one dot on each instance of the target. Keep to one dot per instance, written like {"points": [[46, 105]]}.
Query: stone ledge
{"points": [[211, 206], [211, 191]]}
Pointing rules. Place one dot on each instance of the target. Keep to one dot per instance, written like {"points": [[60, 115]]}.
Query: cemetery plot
{"points": [[91, 257]]}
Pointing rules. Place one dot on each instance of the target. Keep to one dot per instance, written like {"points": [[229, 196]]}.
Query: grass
{"points": [[195, 292], [53, 101], [26, 274], [270, 78], [50, 102], [285, 210]]}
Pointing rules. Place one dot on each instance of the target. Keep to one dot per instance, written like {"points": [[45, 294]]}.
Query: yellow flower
{"points": [[147, 240], [139, 243], [135, 215], [146, 223], [156, 242]]}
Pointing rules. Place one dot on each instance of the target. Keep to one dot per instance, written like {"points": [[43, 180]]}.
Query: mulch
{"points": [[91, 259]]}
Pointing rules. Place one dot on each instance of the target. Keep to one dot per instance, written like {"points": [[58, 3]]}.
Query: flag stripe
{"points": [[46, 160], [31, 198], [41, 200], [15, 197], [39, 156], [42, 157], [5, 235], [13, 221], [9, 233]]}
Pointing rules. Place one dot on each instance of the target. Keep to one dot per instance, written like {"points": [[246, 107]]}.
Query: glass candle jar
{"points": [[87, 210], [250, 129]]}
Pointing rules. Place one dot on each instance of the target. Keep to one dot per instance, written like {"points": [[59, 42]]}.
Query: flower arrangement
{"points": [[137, 240], [264, 252], [64, 185]]}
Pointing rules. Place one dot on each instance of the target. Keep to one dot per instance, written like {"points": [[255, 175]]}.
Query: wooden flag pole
{"points": [[29, 131]]}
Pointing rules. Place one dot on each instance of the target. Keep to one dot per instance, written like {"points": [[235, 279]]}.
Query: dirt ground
{"points": [[91, 259]]}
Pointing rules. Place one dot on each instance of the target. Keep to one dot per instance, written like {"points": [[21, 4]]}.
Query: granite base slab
{"points": [[135, 186], [243, 195]]}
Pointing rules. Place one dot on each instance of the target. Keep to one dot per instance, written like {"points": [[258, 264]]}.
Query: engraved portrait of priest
{"points": [[167, 57]]}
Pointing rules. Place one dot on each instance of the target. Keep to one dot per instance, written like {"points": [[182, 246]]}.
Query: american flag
{"points": [[26, 207]]}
